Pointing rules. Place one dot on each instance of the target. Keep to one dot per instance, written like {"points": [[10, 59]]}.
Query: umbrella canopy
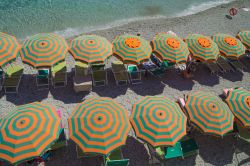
{"points": [[238, 101], [99, 125], [158, 120], [131, 49], [28, 131], [9, 48], [44, 50], [91, 48], [202, 47], [209, 113], [229, 46], [170, 47], [244, 37]]}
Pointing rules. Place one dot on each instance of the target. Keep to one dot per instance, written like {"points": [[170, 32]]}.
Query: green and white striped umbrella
{"points": [[158, 121], [131, 49], [44, 50], [170, 47], [91, 48], [202, 47], [229, 46], [209, 113], [238, 101], [28, 131], [99, 125], [9, 48], [244, 37]]}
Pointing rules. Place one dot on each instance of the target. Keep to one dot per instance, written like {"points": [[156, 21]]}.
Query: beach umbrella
{"points": [[244, 37], [170, 47], [202, 47], [91, 48], [209, 113], [158, 121], [238, 101], [131, 49], [9, 48], [229, 46], [99, 125], [28, 131], [44, 50]]}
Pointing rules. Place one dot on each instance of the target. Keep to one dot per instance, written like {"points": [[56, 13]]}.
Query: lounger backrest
{"points": [[123, 162]]}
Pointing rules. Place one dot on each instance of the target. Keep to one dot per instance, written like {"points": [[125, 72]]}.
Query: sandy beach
{"points": [[213, 151]]}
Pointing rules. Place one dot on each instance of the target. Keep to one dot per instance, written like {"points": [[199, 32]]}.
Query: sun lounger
{"points": [[224, 65], [13, 77], [183, 148], [99, 75], [59, 75], [153, 69], [81, 154], [120, 73], [134, 74], [82, 78], [237, 65], [213, 67], [42, 79], [115, 158], [61, 142], [243, 133]]}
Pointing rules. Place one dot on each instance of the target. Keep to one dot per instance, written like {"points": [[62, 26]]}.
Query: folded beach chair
{"points": [[59, 75], [120, 73], [82, 78], [115, 158], [81, 154], [213, 67], [243, 133], [134, 74], [237, 65], [224, 65], [13, 77], [99, 75], [42, 79]]}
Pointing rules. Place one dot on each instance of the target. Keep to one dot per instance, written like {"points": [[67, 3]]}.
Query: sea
{"points": [[24, 18]]}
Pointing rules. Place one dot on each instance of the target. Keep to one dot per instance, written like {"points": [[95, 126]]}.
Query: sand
{"points": [[213, 151]]}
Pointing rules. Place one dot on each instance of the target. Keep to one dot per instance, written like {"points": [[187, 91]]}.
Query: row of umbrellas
{"points": [[45, 50], [100, 125]]}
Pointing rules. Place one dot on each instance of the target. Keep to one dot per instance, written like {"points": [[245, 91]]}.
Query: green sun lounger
{"points": [[243, 133], [213, 67], [61, 142], [224, 65], [99, 75], [134, 74], [120, 73], [59, 75], [1, 79], [115, 158], [13, 77], [81, 154], [42, 79]]}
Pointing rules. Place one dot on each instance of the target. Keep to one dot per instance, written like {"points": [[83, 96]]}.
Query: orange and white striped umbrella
{"points": [[28, 131], [99, 125], [44, 50]]}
